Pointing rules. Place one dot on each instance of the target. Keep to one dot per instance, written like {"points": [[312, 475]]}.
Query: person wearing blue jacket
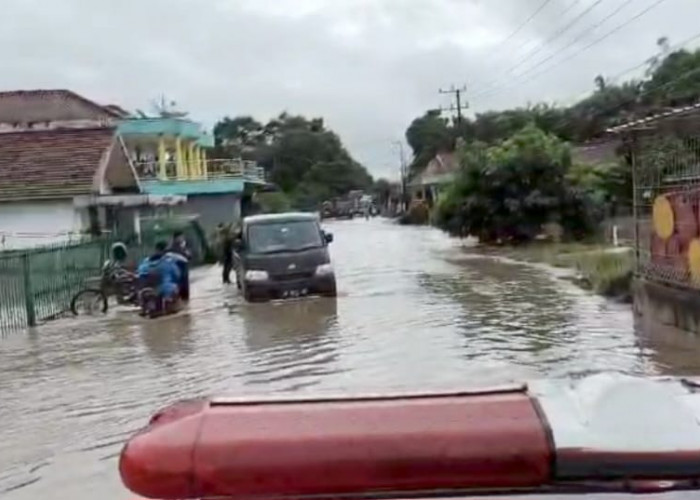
{"points": [[161, 267], [181, 255]]}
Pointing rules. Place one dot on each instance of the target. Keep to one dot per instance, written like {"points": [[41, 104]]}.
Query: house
{"points": [[171, 157], [431, 182], [43, 171], [64, 170], [69, 164], [50, 109], [597, 152]]}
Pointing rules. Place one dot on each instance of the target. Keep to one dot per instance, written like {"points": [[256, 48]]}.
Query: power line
{"points": [[584, 49], [576, 40], [535, 50], [499, 50], [674, 47], [557, 34], [527, 21], [615, 78], [695, 71]]}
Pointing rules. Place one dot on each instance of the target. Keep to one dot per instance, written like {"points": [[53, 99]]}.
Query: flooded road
{"points": [[415, 311]]}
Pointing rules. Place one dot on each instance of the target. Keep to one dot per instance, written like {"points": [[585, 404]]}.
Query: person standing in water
{"points": [[227, 238]]}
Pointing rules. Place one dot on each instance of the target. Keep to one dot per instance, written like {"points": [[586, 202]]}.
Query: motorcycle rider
{"points": [[181, 255], [159, 270]]}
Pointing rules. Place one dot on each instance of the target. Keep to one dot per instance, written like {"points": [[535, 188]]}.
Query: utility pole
{"points": [[404, 174], [458, 98]]}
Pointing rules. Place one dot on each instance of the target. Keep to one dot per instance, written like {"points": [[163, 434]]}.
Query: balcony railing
{"points": [[214, 169], [249, 170]]}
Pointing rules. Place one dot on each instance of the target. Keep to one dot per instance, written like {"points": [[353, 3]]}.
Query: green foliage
{"points": [[273, 203], [507, 192], [608, 186], [427, 135], [673, 79], [302, 157], [607, 273]]}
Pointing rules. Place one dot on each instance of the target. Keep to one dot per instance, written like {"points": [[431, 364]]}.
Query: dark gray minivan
{"points": [[282, 256]]}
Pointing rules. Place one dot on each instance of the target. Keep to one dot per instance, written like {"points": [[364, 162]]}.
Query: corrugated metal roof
{"points": [[642, 122]]}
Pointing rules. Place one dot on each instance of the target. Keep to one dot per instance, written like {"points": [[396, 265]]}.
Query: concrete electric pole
{"points": [[458, 106]]}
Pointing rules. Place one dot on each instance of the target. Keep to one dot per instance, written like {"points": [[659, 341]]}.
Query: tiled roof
{"points": [[23, 106], [49, 164]]}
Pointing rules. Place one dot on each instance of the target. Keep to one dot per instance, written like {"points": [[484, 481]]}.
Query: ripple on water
{"points": [[414, 312]]}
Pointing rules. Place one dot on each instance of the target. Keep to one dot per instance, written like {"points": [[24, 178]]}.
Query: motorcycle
{"points": [[153, 305]]}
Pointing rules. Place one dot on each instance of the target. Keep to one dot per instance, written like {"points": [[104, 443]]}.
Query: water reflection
{"points": [[167, 336], [506, 306], [290, 341], [671, 351], [415, 313]]}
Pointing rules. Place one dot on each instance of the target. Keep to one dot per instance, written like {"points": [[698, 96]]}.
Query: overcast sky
{"points": [[367, 66]]}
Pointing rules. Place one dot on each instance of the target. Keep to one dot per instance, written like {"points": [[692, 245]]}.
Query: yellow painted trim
{"points": [[191, 162], [179, 163], [162, 158], [198, 160], [205, 166]]}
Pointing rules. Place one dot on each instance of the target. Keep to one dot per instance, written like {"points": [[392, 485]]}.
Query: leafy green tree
{"points": [[426, 136], [301, 156], [507, 192]]}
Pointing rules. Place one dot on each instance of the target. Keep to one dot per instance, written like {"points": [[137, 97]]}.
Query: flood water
{"points": [[415, 311]]}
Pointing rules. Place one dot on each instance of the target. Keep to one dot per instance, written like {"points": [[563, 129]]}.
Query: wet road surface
{"points": [[415, 311]]}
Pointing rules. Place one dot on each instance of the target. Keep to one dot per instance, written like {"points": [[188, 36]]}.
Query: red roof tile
{"points": [[47, 164], [23, 106]]}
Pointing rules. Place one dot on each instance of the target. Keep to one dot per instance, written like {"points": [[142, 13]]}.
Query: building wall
{"points": [[662, 307], [28, 224]]}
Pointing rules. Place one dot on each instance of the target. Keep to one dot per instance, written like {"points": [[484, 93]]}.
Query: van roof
{"points": [[283, 217]]}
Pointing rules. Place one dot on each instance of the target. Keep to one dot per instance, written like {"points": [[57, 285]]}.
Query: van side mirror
{"points": [[328, 237]]}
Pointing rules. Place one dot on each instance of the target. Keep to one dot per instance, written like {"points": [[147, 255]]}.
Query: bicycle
{"points": [[115, 282]]}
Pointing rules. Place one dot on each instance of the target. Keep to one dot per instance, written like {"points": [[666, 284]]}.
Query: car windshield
{"points": [[286, 236]]}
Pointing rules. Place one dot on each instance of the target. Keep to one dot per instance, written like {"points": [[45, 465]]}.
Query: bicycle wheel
{"points": [[88, 302]]}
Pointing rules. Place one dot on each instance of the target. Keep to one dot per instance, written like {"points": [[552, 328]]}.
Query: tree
{"points": [[238, 136], [381, 189], [507, 192], [426, 136], [672, 79], [301, 156]]}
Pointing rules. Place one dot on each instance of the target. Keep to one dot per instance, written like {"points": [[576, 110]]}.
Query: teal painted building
{"points": [[171, 156]]}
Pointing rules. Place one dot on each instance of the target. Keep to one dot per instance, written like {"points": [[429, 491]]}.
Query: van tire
{"points": [[331, 292]]}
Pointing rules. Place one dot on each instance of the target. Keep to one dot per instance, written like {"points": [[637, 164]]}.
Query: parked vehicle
{"points": [[337, 209], [283, 255]]}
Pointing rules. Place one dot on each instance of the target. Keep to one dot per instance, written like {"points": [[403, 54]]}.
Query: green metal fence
{"points": [[38, 284]]}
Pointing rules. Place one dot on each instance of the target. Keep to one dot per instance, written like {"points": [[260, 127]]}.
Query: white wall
{"points": [[27, 224]]}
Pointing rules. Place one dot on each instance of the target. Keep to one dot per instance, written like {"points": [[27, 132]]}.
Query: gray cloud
{"points": [[367, 66]]}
